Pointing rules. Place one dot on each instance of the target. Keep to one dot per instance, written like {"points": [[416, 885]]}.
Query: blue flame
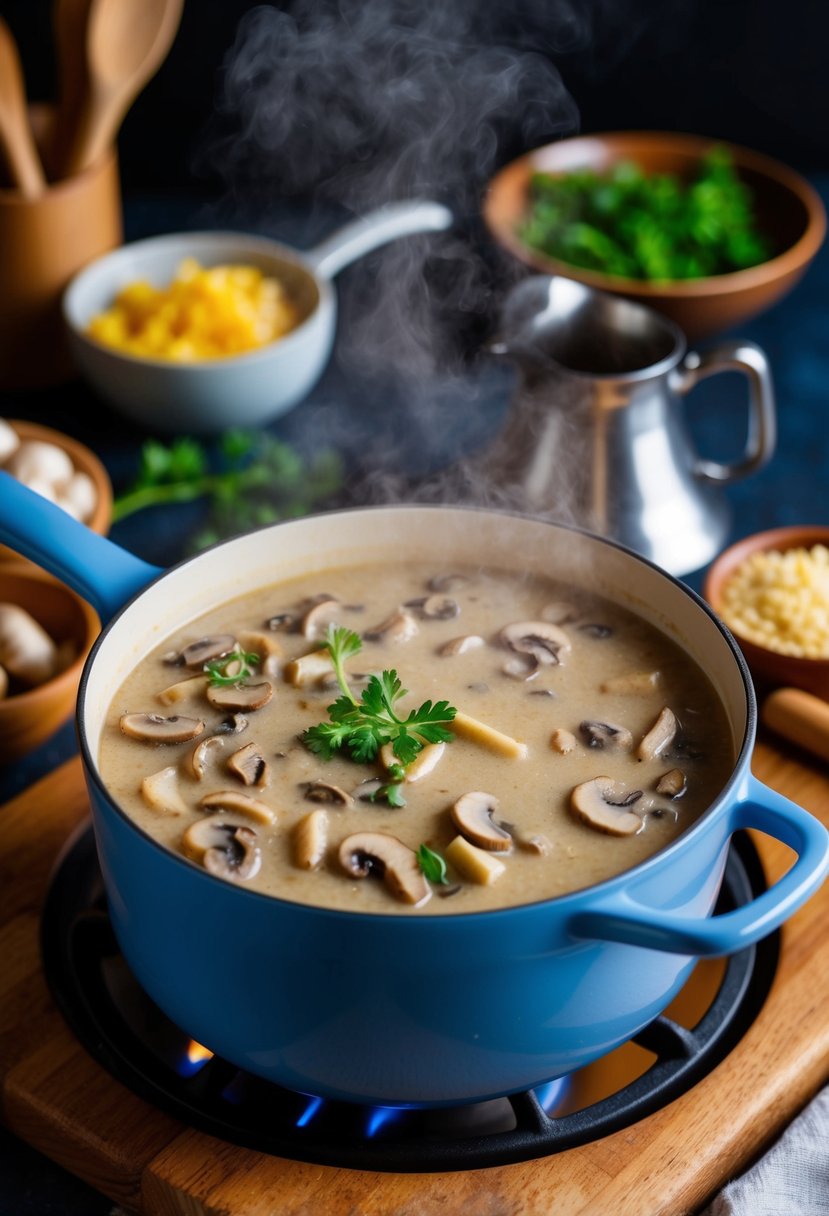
{"points": [[378, 1117], [550, 1095], [311, 1109]]}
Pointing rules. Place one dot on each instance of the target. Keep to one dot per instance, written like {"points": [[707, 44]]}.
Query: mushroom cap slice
{"points": [[440, 608], [672, 784], [323, 791], [319, 616], [197, 760], [241, 804], [240, 696], [161, 792], [181, 690], [227, 850], [606, 735], [473, 814], [196, 654], [249, 765], [308, 668], [153, 728], [399, 627], [461, 645], [605, 804], [660, 735], [378, 853], [543, 640]]}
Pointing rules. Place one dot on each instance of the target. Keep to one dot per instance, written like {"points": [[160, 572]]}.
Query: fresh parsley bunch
{"points": [[363, 726]]}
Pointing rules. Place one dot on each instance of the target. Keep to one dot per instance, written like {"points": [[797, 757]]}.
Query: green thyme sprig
{"points": [[363, 726]]}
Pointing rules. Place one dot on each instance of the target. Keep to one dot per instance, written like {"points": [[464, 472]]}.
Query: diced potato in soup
{"points": [[524, 816]]}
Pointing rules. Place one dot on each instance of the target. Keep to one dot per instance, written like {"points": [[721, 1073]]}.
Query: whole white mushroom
{"points": [[38, 461]]}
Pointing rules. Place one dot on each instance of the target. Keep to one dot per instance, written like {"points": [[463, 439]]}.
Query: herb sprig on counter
{"points": [[363, 726], [252, 479]]}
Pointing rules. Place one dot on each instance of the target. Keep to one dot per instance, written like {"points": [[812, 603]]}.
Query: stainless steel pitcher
{"points": [[595, 434]]}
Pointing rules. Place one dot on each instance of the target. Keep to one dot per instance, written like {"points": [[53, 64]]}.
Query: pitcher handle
{"points": [[748, 358]]}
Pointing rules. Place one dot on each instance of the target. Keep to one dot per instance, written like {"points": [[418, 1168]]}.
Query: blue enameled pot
{"points": [[405, 1009]]}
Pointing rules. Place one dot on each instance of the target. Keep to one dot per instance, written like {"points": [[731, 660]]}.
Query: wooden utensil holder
{"points": [[43, 242]]}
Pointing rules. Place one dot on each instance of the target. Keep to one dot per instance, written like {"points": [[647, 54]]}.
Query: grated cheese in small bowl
{"points": [[780, 600]]}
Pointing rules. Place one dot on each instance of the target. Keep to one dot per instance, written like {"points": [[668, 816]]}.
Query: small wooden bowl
{"points": [[789, 211], [770, 668], [84, 460], [28, 718]]}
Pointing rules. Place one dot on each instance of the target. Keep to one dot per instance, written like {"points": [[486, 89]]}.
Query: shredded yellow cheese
{"points": [[780, 600], [211, 313]]}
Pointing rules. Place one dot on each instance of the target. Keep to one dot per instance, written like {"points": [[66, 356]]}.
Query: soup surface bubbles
{"points": [[585, 741]]}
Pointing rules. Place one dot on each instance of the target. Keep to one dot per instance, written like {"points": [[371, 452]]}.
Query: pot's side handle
{"points": [[376, 229], [102, 572], [621, 918]]}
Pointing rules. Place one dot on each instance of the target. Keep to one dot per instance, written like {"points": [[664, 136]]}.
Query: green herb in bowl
{"points": [[652, 227]]}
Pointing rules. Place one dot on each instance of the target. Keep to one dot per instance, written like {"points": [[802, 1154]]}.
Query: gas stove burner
{"points": [[130, 1037]]}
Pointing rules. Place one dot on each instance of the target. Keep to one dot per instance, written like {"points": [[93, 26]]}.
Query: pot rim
{"points": [[635, 873]]}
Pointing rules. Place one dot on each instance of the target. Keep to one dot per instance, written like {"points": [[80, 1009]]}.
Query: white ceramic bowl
{"points": [[207, 396]]}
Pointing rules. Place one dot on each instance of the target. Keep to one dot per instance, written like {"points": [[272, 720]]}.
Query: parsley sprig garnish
{"points": [[363, 726], [432, 865], [217, 669]]}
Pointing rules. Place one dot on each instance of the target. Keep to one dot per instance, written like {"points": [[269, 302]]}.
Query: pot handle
{"points": [[748, 358], [101, 572], [621, 918], [375, 229]]}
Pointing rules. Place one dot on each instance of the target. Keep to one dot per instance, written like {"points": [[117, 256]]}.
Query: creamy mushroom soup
{"points": [[583, 741]]}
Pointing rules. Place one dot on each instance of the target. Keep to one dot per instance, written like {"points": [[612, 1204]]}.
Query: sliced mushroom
{"points": [[196, 654], [399, 627], [240, 696], [227, 850], [378, 853], [473, 863], [153, 728], [473, 814], [281, 622], [461, 645], [308, 668], [422, 765], [487, 736], [595, 630], [659, 736], [557, 612], [541, 640], [233, 724], [672, 784], [634, 683], [161, 792], [309, 839], [537, 842], [197, 761], [447, 582], [323, 791], [605, 735], [182, 690], [256, 641], [440, 608], [249, 765], [367, 789], [319, 616], [522, 667], [605, 804], [241, 804], [562, 741]]}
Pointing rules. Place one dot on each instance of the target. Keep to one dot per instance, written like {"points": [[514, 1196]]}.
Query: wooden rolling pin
{"points": [[800, 717]]}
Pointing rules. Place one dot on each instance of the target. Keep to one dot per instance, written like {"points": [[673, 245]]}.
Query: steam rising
{"points": [[355, 103]]}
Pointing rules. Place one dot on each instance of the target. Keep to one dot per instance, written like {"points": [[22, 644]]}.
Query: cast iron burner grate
{"points": [[129, 1036]]}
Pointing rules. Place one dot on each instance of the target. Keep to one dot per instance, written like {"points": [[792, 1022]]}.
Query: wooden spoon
{"points": [[15, 133], [125, 43], [70, 19]]}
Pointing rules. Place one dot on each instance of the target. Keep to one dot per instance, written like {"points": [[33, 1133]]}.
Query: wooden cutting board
{"points": [[58, 1099]]}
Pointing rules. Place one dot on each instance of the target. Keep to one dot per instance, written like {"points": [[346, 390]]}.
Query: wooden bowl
{"points": [[84, 460], [28, 718], [789, 211], [770, 668]]}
